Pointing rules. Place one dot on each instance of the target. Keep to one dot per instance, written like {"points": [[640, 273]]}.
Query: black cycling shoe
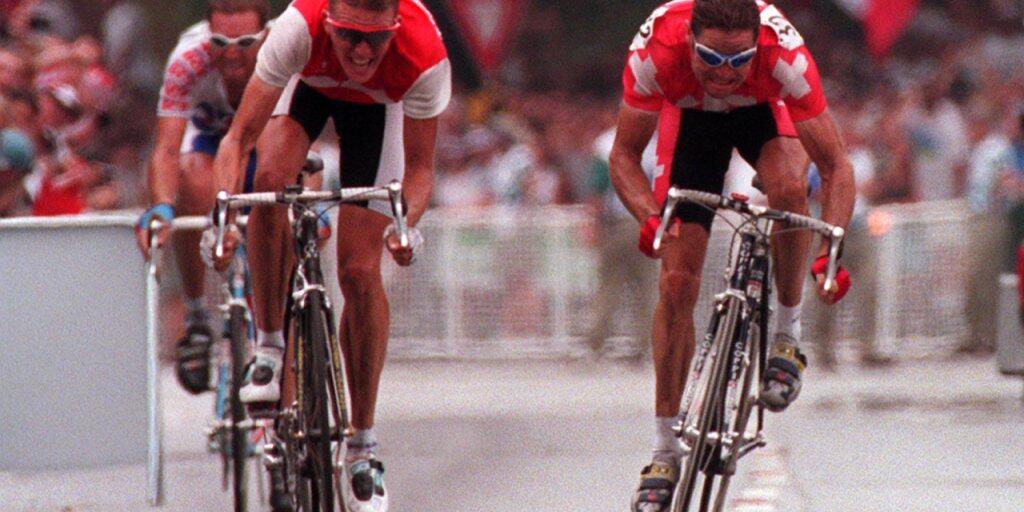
{"points": [[192, 366], [782, 377], [280, 498], [657, 484]]}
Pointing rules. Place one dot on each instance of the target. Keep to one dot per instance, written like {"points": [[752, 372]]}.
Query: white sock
{"points": [[361, 445], [787, 321], [666, 445], [266, 339], [195, 311]]}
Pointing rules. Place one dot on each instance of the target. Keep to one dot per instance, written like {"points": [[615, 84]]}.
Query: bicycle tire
{"points": [[700, 451], [316, 407], [239, 333], [750, 375]]}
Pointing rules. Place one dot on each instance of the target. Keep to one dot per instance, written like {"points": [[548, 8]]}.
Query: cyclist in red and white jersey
{"points": [[379, 71], [714, 76], [203, 83]]}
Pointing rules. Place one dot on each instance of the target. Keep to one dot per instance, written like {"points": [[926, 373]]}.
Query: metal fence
{"points": [[501, 283]]}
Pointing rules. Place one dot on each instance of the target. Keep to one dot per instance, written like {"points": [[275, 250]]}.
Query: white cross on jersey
{"points": [[646, 75], [792, 77]]}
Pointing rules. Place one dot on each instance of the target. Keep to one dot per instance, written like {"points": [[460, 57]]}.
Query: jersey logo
{"points": [[647, 29], [793, 77], [643, 36], [789, 38]]}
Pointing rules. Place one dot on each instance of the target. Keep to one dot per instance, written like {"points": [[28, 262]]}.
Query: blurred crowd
{"points": [[75, 107], [941, 119]]}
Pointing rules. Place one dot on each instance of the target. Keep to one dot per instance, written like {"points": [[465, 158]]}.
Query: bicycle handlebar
{"points": [[835, 234], [392, 192]]}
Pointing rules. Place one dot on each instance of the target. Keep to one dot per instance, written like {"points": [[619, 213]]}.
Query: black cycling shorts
{"points": [[702, 149]]}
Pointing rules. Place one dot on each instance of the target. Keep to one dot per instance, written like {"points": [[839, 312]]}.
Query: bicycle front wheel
{"points": [[238, 328], [316, 405], [702, 465]]}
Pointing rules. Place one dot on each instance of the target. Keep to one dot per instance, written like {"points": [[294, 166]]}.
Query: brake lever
{"points": [[221, 220], [153, 230], [835, 241], [398, 208], [666, 215]]}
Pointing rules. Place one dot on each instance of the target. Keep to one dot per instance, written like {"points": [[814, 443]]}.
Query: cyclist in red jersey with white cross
{"points": [[714, 76], [379, 70]]}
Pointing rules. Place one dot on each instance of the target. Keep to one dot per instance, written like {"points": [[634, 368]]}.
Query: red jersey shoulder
{"points": [[666, 27], [312, 11], [418, 45]]}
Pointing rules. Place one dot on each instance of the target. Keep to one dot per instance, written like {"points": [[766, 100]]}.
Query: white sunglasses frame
{"points": [[229, 41]]}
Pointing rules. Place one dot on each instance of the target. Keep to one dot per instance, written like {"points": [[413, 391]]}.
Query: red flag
{"points": [[884, 23], [488, 26]]}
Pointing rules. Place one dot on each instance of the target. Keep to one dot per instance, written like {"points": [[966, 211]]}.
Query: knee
{"points": [[268, 181], [788, 189], [679, 289], [195, 187], [360, 280]]}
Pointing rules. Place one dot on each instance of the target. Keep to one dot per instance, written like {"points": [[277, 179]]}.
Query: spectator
{"points": [[17, 157], [990, 159], [627, 279]]}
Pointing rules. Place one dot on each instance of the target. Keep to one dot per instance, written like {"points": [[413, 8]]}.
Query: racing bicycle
{"points": [[231, 434], [304, 450], [725, 376]]}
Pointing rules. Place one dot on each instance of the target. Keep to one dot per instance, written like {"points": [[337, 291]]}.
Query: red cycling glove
{"points": [[819, 268], [647, 232]]}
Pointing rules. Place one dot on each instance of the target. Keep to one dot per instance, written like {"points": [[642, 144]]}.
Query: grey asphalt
{"points": [[572, 436]]}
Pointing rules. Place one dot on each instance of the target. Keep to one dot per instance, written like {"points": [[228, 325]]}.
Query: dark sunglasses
{"points": [[355, 33], [715, 59], [223, 41]]}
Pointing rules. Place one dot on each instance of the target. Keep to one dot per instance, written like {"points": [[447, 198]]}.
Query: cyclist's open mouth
{"points": [[361, 63]]}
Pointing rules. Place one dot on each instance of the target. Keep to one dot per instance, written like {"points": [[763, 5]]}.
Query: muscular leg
{"points": [[365, 319], [673, 338], [783, 170], [195, 197], [282, 150]]}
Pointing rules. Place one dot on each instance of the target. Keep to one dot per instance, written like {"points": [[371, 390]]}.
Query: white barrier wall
{"points": [[73, 388], [497, 283]]}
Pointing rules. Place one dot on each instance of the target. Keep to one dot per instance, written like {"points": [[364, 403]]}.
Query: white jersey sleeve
{"points": [[431, 92], [287, 49], [186, 66]]}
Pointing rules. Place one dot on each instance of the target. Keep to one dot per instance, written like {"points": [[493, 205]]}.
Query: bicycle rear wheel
{"points": [[239, 333], [316, 405]]}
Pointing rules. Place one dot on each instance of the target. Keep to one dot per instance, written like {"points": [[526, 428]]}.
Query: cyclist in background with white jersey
{"points": [[203, 84]]}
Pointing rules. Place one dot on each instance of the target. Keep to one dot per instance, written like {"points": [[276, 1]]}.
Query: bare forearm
{"points": [[632, 186], [164, 167], [416, 188], [839, 195], [824, 143], [229, 163]]}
